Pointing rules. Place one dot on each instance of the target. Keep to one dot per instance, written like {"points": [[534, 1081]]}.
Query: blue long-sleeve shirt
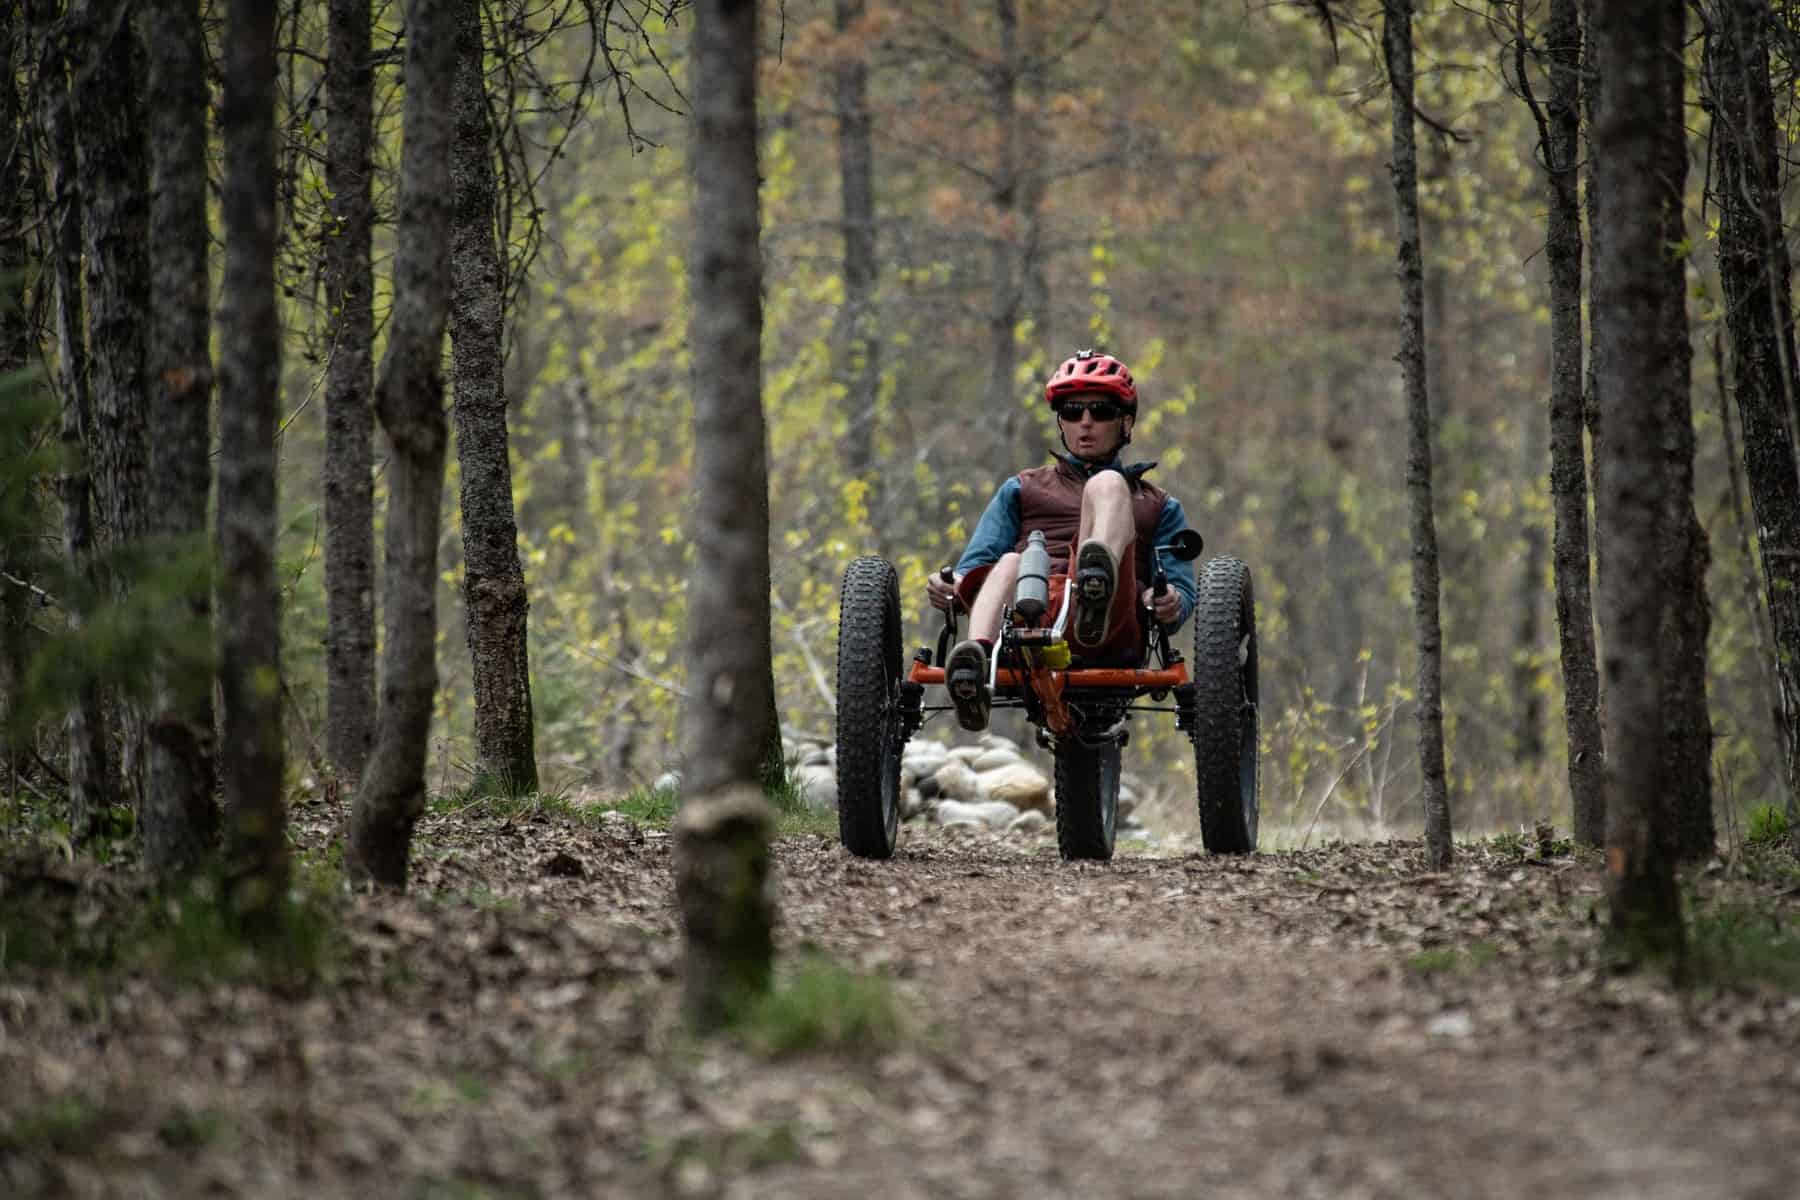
{"points": [[1001, 523]]}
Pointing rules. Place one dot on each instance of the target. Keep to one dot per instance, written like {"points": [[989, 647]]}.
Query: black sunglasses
{"points": [[1103, 410]]}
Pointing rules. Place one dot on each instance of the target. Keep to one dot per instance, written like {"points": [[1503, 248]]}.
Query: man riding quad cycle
{"points": [[1076, 577]]}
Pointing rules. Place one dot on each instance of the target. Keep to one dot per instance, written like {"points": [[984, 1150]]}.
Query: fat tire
{"points": [[1225, 707], [1087, 799], [868, 715]]}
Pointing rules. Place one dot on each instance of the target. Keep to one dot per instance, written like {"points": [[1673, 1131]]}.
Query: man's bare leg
{"points": [[1106, 513], [1107, 533], [996, 591]]}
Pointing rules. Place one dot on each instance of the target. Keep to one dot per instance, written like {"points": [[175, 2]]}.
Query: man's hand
{"points": [[1166, 606], [940, 591]]}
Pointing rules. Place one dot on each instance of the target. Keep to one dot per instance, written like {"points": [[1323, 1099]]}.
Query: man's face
{"points": [[1093, 424]]}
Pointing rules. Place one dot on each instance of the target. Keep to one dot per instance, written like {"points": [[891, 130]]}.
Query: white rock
{"points": [[925, 756], [967, 754], [955, 781], [911, 804], [1029, 821], [995, 814], [815, 756], [994, 741], [1453, 1024], [1019, 784], [993, 760], [668, 781], [818, 786]]}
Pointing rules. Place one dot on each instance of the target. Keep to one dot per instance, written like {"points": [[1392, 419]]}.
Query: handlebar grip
{"points": [[948, 574], [1159, 583]]}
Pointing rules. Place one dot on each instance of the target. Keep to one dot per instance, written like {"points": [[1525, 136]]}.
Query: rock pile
{"points": [[985, 785]]}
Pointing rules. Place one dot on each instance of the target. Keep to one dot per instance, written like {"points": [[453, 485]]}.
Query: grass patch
{"points": [[650, 807], [1453, 960], [819, 1007], [189, 932], [1739, 945], [1768, 825], [63, 1123]]}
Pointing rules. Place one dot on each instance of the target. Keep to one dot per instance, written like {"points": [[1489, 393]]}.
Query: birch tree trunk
{"points": [[83, 724], [1397, 48], [1568, 459], [113, 181], [251, 757], [1755, 276], [722, 873], [1638, 114], [410, 404], [349, 413], [494, 594], [178, 819], [859, 346]]}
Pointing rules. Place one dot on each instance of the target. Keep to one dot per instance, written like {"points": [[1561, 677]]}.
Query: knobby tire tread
{"points": [[1082, 802], [868, 668], [1223, 613]]}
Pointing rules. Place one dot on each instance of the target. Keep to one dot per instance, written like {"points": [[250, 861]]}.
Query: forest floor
{"points": [[972, 1019]]}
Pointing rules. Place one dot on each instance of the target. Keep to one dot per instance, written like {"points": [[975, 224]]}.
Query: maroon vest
{"points": [[1050, 500]]}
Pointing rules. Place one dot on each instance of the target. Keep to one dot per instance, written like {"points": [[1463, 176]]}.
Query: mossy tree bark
{"points": [[178, 820], [1639, 62], [722, 843], [84, 725], [251, 757], [494, 594], [410, 403], [1755, 275], [113, 181], [1398, 50], [349, 410], [1568, 457]]}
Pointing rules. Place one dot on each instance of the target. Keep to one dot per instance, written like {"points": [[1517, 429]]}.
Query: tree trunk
{"points": [[84, 725], [858, 339], [1755, 276], [1528, 717], [16, 542], [1568, 460], [250, 334], [1398, 50], [1003, 310], [178, 819], [493, 581], [1684, 552], [722, 843], [349, 415], [1638, 115], [113, 180], [410, 403]]}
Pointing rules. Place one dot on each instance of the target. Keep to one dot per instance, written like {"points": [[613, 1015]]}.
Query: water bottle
{"points": [[1033, 594]]}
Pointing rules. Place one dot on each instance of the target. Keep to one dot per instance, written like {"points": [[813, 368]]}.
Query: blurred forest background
{"points": [[1199, 189]]}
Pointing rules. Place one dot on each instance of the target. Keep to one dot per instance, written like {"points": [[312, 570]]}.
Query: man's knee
{"points": [[1107, 487]]}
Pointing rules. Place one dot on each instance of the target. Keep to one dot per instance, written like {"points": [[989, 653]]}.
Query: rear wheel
{"points": [[869, 725], [1087, 798], [1225, 699]]}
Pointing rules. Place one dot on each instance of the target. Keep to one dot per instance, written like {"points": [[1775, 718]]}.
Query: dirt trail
{"points": [[1178, 1026]]}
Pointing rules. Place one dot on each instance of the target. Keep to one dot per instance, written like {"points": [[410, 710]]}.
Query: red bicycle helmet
{"points": [[1092, 371]]}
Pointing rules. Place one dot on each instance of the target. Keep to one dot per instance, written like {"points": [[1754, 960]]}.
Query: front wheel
{"points": [[869, 737], [1225, 698], [1087, 798]]}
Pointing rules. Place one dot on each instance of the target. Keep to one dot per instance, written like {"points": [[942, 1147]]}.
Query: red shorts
{"points": [[1124, 641]]}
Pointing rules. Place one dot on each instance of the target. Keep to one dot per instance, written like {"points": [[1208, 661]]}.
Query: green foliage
{"points": [[190, 933], [817, 1006], [1768, 825], [1744, 945], [1453, 960], [62, 1123]]}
